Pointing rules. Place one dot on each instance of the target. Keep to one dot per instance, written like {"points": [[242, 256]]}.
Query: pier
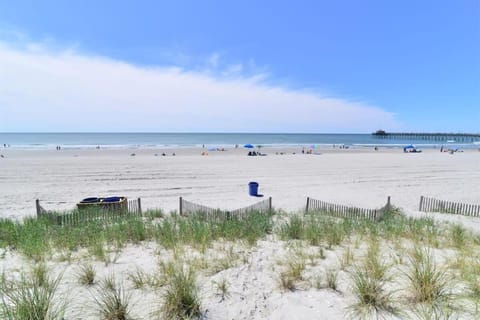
{"points": [[441, 137]]}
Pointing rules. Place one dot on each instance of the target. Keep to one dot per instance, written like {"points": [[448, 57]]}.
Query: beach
{"points": [[358, 177]]}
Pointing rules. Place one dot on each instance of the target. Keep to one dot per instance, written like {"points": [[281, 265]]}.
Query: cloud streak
{"points": [[49, 90]]}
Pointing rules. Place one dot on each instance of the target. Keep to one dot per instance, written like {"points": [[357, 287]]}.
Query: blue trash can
{"points": [[253, 188]]}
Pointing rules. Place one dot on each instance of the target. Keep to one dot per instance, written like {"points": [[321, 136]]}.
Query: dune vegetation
{"points": [[398, 267]]}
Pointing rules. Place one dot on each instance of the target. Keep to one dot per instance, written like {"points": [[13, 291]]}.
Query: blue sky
{"points": [[353, 66]]}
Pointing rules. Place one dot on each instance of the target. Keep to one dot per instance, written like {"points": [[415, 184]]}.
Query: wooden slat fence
{"points": [[113, 212], [442, 206], [342, 211], [188, 208]]}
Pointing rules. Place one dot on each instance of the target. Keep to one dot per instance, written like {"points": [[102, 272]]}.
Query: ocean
{"points": [[42, 141]]}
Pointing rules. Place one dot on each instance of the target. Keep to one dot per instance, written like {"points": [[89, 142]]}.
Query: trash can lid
{"points": [[111, 199]]}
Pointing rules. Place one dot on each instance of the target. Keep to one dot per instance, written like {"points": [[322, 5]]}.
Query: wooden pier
{"points": [[441, 137]]}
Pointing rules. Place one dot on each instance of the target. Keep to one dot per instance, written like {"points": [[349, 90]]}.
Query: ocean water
{"points": [[25, 141]]}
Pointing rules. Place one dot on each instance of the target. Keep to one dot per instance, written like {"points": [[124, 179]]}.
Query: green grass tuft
{"points": [[429, 284], [86, 274], [32, 298], [112, 301], [181, 297]]}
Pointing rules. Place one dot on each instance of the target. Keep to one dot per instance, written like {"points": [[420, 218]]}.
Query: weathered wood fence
{"points": [[112, 212], [342, 211], [187, 208], [442, 206]]}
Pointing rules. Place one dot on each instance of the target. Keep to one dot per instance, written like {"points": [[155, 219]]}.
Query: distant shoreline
{"points": [[79, 141]]}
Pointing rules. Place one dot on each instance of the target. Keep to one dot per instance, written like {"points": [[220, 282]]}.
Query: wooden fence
{"points": [[442, 206], [342, 211], [187, 208], [113, 212]]}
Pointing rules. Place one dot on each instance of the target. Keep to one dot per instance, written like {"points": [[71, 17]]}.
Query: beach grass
{"points": [[181, 298], [292, 274], [33, 297], [38, 238], [369, 279], [429, 285], [331, 276], [368, 253], [222, 288], [86, 274], [112, 300], [139, 278]]}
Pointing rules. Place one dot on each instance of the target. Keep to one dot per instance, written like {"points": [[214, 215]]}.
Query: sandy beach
{"points": [[357, 177]]}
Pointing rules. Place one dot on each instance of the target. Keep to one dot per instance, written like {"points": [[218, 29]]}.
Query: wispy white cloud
{"points": [[44, 89]]}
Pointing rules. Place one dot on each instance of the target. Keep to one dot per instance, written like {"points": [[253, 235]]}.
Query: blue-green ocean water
{"points": [[176, 140]]}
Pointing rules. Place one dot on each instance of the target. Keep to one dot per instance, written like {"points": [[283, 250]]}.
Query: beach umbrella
{"points": [[410, 146], [248, 145]]}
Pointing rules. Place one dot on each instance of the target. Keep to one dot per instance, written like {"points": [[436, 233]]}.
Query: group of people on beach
{"points": [[449, 150]]}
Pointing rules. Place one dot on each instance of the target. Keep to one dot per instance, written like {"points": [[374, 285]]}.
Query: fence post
{"points": [[139, 206], [389, 205], [308, 204], [180, 210], [421, 203], [270, 205], [37, 205]]}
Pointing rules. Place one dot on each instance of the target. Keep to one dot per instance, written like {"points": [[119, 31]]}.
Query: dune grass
{"points": [[290, 277], [139, 278], [38, 238], [359, 242], [181, 298], [112, 300], [369, 279], [331, 277], [318, 229], [86, 274], [429, 284], [222, 289], [33, 297]]}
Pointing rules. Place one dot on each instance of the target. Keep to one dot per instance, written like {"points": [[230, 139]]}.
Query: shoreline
{"points": [[229, 146]]}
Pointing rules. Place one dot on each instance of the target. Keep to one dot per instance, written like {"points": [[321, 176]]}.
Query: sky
{"points": [[239, 66]]}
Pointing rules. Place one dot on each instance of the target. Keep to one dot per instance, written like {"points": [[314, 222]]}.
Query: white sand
{"points": [[354, 177]]}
